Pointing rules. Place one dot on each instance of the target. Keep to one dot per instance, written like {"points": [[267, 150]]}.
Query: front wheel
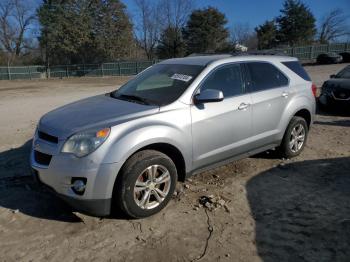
{"points": [[295, 137], [146, 183]]}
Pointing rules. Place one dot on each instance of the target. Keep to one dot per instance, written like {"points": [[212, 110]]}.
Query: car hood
{"points": [[94, 112], [341, 83]]}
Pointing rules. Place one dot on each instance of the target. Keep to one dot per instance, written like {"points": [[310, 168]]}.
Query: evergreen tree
{"points": [[205, 31], [77, 31], [111, 30], [267, 34], [171, 43], [64, 28], [296, 24]]}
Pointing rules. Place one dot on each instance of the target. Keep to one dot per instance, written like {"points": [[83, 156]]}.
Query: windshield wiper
{"points": [[131, 98]]}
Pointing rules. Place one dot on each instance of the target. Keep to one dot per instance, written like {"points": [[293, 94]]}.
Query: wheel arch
{"points": [[173, 153], [166, 148], [302, 106], [306, 114]]}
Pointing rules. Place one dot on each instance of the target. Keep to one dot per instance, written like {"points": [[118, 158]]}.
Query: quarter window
{"points": [[297, 68], [263, 76], [227, 79]]}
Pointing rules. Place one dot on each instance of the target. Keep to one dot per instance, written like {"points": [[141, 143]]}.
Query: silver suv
{"points": [[127, 149]]}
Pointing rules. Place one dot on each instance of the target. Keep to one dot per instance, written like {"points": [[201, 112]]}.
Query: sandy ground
{"points": [[264, 208]]}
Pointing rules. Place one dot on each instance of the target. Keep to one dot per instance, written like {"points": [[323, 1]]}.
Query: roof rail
{"points": [[207, 54], [261, 52], [240, 53]]}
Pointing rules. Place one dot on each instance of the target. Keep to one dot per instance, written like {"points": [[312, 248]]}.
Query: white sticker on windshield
{"points": [[181, 77]]}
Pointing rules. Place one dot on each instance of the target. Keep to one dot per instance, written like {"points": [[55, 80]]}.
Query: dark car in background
{"points": [[345, 56], [336, 91], [329, 58]]}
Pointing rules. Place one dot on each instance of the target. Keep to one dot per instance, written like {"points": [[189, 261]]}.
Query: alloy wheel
{"points": [[297, 138], [152, 187]]}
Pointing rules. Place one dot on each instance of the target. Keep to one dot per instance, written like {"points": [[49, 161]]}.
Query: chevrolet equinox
{"points": [[128, 148]]}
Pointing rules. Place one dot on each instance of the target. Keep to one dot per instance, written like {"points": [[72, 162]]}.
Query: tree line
{"points": [[95, 31]]}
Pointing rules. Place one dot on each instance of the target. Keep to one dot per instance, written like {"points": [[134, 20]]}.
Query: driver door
{"points": [[221, 130]]}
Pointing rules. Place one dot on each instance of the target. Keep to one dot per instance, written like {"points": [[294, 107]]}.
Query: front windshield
{"points": [[161, 84], [345, 73]]}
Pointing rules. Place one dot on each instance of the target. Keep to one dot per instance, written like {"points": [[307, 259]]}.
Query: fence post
{"points": [[120, 70], [312, 52], [102, 71], [137, 67], [347, 48], [48, 72], [8, 72], [328, 48], [30, 73]]}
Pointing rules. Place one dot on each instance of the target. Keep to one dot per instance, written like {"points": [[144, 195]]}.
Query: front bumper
{"points": [[94, 207], [58, 174]]}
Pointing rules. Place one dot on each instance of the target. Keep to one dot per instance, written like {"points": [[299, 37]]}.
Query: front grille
{"points": [[47, 137], [41, 158]]}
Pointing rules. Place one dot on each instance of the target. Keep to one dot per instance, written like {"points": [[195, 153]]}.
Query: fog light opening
{"points": [[79, 185]]}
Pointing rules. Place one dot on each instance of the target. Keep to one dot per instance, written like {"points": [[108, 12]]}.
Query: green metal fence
{"points": [[22, 72], [62, 71], [304, 53]]}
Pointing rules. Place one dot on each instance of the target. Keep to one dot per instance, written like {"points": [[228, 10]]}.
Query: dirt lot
{"points": [[265, 208]]}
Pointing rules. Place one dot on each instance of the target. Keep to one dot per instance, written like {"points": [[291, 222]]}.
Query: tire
{"points": [[286, 149], [136, 193]]}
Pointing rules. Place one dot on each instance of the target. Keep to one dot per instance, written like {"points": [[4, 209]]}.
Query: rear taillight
{"points": [[314, 89]]}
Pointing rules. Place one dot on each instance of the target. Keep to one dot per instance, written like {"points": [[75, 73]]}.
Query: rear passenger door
{"points": [[269, 89]]}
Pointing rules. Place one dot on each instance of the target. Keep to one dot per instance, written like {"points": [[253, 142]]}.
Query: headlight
{"points": [[84, 143]]}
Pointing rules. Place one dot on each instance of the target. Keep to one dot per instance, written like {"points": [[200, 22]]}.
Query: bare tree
{"points": [[174, 16], [15, 19], [175, 13], [154, 17], [148, 26], [243, 34], [333, 26]]}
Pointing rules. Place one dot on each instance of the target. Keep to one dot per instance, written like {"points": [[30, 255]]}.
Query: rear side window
{"points": [[264, 76], [227, 79], [297, 68]]}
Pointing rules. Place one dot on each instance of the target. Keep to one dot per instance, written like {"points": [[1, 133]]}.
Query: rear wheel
{"points": [[295, 137], [146, 183]]}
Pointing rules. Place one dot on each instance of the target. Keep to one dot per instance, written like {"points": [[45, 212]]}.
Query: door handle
{"points": [[243, 106], [285, 94]]}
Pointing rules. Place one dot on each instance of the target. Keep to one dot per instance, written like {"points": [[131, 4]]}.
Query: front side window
{"points": [[264, 76], [227, 79], [160, 85]]}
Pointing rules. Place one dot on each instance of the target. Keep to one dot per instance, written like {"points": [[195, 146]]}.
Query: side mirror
{"points": [[332, 76], [209, 96]]}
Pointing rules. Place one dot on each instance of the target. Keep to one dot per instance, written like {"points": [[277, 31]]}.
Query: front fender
{"points": [[127, 142]]}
